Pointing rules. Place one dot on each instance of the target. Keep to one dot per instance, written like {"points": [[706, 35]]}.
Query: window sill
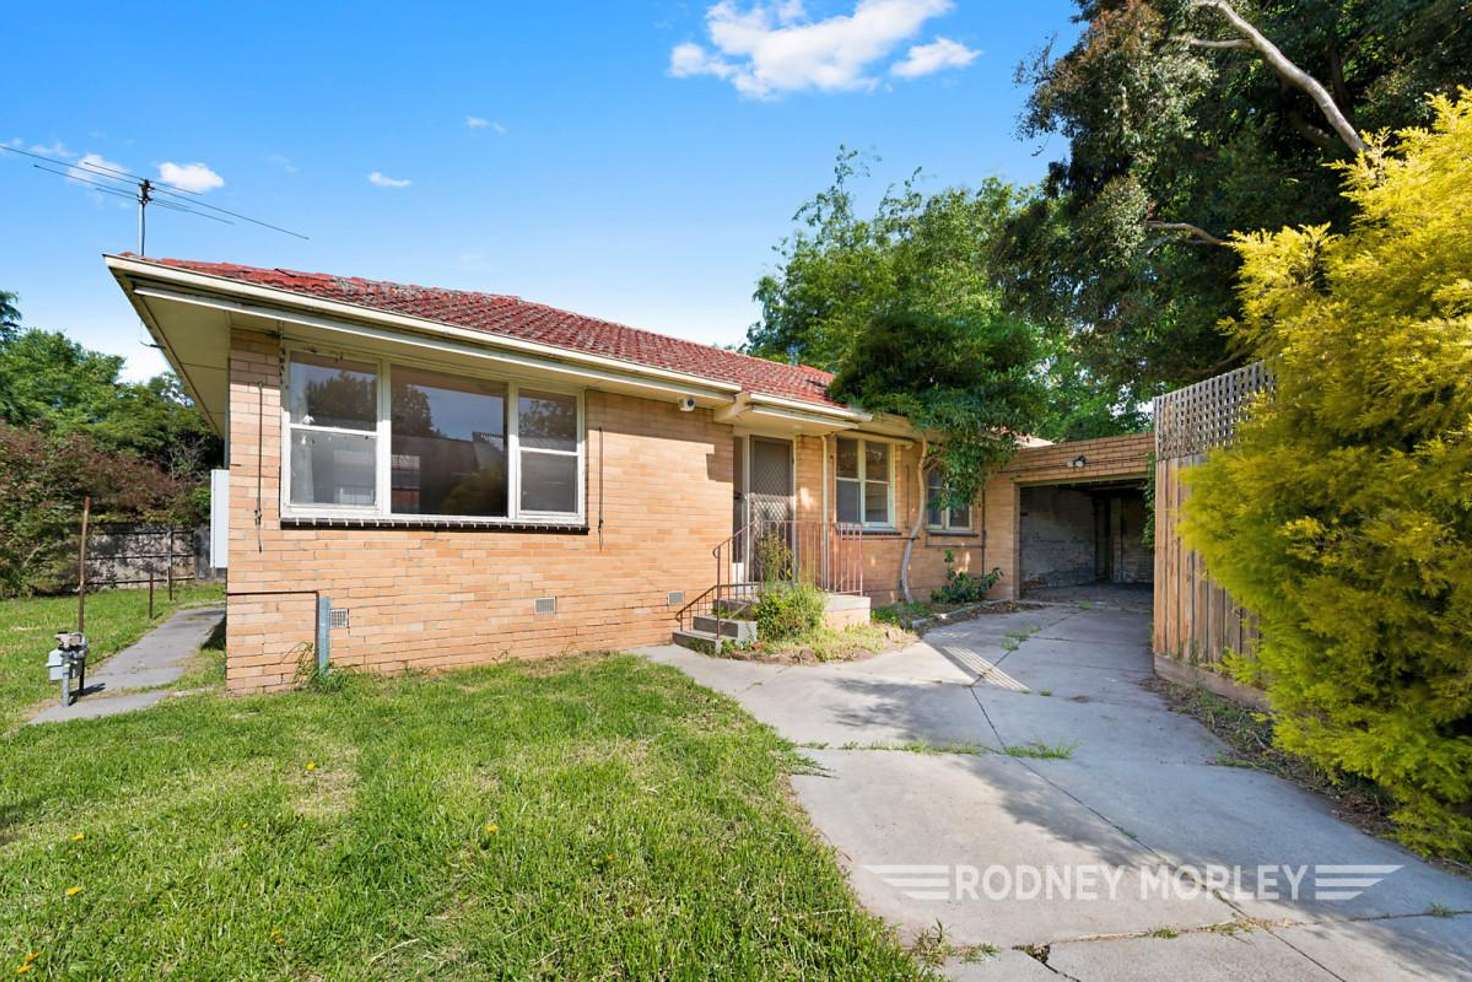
{"points": [[954, 533], [423, 523]]}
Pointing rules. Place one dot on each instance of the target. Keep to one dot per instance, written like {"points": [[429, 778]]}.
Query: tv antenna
{"points": [[106, 179]]}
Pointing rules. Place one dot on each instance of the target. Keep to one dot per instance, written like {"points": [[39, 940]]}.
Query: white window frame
{"points": [[382, 510], [947, 523], [862, 480]]}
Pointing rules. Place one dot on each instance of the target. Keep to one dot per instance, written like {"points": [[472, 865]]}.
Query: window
{"points": [[332, 415], [945, 519], [864, 472], [548, 427], [378, 438], [449, 445]]}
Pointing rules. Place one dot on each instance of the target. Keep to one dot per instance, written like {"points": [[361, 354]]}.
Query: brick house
{"points": [[472, 476]]}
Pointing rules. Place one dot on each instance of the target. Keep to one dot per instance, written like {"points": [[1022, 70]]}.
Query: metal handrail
{"points": [[828, 554]]}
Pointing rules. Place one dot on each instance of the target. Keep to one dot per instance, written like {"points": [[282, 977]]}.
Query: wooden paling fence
{"points": [[1196, 621]]}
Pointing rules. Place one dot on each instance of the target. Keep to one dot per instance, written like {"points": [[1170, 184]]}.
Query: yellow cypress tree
{"points": [[1343, 514]]}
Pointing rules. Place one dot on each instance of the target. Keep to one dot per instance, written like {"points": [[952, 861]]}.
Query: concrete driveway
{"points": [[1093, 859]]}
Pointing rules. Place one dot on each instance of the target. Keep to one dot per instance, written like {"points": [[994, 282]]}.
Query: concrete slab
{"points": [[1102, 733], [1004, 966], [101, 705], [1200, 815], [1249, 956], [891, 814], [1140, 793], [1389, 950]]}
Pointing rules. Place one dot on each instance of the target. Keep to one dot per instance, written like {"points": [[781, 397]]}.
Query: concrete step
{"points": [[734, 605], [741, 630], [704, 642]]}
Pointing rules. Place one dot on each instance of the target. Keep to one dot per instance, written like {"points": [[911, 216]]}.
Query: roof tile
{"points": [[513, 317]]}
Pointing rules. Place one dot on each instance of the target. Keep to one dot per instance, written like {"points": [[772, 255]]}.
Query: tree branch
{"points": [[1228, 43], [1285, 68], [1194, 231]]}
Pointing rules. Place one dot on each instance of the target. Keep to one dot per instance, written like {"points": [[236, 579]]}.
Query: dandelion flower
{"points": [[73, 891], [24, 969], [311, 765], [492, 828], [79, 837]]}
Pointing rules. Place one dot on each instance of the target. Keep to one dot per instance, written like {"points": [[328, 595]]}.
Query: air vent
{"points": [[676, 597], [546, 605], [337, 617]]}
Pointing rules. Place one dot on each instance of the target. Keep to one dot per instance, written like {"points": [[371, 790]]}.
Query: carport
{"points": [[1067, 521]]}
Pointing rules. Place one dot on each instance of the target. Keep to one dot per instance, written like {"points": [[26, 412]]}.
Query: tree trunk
{"points": [[919, 522]]}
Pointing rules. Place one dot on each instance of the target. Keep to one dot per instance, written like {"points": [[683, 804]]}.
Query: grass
{"points": [[1042, 751], [907, 746], [206, 670], [115, 619], [590, 817], [824, 644]]}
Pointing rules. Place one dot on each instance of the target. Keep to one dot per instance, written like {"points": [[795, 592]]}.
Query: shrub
{"points": [[962, 587], [1342, 515], [788, 611], [43, 479]]}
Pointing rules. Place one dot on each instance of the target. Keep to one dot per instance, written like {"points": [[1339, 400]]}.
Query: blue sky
{"points": [[635, 161]]}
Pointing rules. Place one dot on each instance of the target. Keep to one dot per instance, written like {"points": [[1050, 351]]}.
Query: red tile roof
{"points": [[516, 318]]}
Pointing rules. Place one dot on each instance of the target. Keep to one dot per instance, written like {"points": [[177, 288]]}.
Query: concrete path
{"points": [[157, 659], [1093, 861]]}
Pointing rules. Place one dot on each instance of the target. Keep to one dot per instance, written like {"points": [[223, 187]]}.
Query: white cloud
{"points": [[769, 49], [481, 123], [927, 59], [381, 180], [190, 177], [282, 161]]}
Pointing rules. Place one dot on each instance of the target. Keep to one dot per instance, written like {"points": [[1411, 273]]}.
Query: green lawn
{"points": [[591, 817], [115, 619]]}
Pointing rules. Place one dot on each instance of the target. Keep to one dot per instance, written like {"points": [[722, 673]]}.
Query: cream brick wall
{"points": [[437, 598], [883, 551], [430, 599], [1106, 458]]}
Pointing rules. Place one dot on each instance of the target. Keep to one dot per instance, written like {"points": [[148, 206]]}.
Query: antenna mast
{"points": [[105, 179], [145, 195]]}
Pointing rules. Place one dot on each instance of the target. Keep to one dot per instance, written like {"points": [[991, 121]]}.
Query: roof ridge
{"points": [[767, 363]]}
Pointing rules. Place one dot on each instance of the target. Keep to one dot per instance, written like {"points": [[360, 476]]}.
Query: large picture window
{"points": [[865, 469], [943, 519], [388, 439]]}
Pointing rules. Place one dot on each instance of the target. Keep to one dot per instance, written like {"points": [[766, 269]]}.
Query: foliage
{"points": [[43, 479], [968, 379], [774, 556], [962, 587], [9, 315], [507, 810], [1160, 130], [1343, 515], [925, 254], [785, 611], [115, 619], [51, 383]]}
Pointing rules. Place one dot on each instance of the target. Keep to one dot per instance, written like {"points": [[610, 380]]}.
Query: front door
{"points": [[769, 505]]}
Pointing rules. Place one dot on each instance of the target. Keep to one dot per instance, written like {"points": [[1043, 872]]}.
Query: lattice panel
{"points": [[1205, 415]]}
